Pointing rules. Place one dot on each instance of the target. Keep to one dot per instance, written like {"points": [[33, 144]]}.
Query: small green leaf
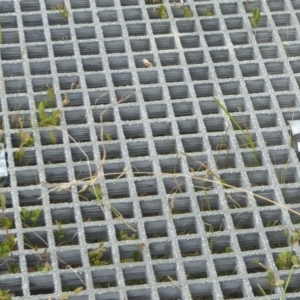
{"points": [[187, 12], [255, 17], [45, 267], [20, 154], [13, 268], [137, 256], [48, 120], [108, 136], [4, 249], [55, 117], [35, 215], [52, 137], [51, 96], [125, 237], [161, 12], [286, 232], [41, 109], [12, 241], [96, 191], [6, 223], [25, 214], [3, 202], [26, 139], [5, 295], [228, 250], [295, 260], [207, 12], [122, 235], [279, 282]]}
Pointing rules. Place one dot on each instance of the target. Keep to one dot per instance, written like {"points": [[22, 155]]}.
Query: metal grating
{"points": [[159, 139]]}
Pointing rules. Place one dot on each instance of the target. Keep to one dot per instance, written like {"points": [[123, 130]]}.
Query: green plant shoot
{"points": [[32, 216], [137, 256], [96, 191], [6, 223], [59, 232], [25, 140], [96, 256], [271, 276], [295, 238], [286, 260], [207, 12], [7, 246], [228, 250], [187, 12], [13, 268], [50, 93], [51, 96], [125, 237], [51, 101], [161, 12], [48, 120], [3, 202], [255, 17], [52, 137], [45, 267], [108, 136], [63, 11], [5, 295]]}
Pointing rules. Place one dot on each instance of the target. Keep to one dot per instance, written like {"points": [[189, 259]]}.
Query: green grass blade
{"points": [[245, 134]]}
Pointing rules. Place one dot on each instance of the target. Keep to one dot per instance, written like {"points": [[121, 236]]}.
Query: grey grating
{"points": [[193, 195], [3, 164]]}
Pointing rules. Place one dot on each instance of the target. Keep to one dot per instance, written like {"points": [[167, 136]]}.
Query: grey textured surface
{"points": [[168, 128], [3, 164]]}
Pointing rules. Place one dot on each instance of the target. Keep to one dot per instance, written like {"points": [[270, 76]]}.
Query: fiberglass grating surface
{"points": [[161, 146]]}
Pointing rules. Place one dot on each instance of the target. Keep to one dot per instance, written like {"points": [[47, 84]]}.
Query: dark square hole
{"points": [[225, 71], [249, 70], [249, 241], [215, 40], [234, 23], [194, 57], [161, 250], [219, 56], [156, 229], [190, 41], [208, 202], [258, 178]]}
